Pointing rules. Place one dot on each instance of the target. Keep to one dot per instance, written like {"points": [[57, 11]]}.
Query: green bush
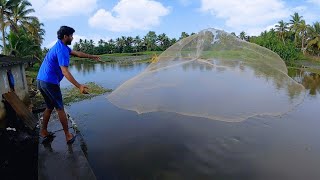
{"points": [[286, 50]]}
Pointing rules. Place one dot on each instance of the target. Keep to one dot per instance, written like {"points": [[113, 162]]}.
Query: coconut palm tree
{"points": [[282, 29], [120, 42], [183, 35], [243, 35], [20, 15], [76, 46], [111, 46], [101, 42], [164, 41], [150, 40], [314, 36], [302, 30], [137, 44], [91, 47], [5, 13], [35, 28], [128, 44], [294, 24], [23, 44], [172, 41]]}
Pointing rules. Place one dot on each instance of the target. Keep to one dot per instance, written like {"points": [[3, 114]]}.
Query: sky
{"points": [[106, 19]]}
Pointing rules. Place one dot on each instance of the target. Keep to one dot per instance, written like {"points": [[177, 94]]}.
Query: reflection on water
{"points": [[108, 75], [124, 145], [311, 81], [87, 67]]}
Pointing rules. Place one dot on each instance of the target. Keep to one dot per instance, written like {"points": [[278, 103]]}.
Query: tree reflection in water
{"points": [[311, 81]]}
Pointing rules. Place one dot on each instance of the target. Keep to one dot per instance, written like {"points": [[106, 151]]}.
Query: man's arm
{"points": [[84, 55], [65, 71]]}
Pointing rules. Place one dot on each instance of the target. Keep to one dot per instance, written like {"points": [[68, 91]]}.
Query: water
{"points": [[124, 145]]}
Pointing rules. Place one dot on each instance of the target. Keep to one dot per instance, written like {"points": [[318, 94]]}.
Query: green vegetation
{"points": [[32, 72], [293, 41], [124, 58], [71, 95], [272, 41]]}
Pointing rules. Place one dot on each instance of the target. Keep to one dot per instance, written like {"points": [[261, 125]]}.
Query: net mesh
{"points": [[214, 75]]}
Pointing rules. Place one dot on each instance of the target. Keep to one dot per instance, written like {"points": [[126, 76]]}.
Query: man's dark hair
{"points": [[65, 30]]}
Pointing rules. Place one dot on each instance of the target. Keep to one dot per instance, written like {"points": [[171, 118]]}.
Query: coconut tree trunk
{"points": [[3, 32], [3, 39], [302, 45]]}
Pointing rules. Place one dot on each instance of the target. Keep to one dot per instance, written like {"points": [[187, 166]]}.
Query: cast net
{"points": [[213, 75]]}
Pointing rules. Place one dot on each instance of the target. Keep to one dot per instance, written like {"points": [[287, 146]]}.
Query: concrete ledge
{"points": [[57, 160]]}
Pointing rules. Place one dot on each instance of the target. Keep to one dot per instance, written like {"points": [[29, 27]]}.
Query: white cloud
{"points": [[54, 9], [299, 9], [317, 2], [76, 38], [130, 15], [258, 31], [246, 14]]}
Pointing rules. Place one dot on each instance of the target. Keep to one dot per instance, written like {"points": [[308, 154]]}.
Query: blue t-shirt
{"points": [[50, 71]]}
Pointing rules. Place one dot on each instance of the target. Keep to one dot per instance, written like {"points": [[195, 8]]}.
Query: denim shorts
{"points": [[51, 94]]}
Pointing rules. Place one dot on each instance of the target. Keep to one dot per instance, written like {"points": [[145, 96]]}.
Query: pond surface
{"points": [[122, 144]]}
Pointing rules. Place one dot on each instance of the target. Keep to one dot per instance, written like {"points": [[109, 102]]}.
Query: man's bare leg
{"points": [[46, 117], [64, 121]]}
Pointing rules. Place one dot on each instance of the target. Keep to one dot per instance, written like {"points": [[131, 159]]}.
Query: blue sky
{"points": [[105, 19]]}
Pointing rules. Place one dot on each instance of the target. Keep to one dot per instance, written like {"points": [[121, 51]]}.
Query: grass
{"points": [[140, 57], [306, 62], [32, 72], [71, 95], [148, 60], [104, 58]]}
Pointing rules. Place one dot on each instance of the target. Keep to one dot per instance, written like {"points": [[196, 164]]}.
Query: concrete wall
{"points": [[21, 87]]}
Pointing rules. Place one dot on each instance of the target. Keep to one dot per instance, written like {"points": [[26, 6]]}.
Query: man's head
{"points": [[65, 34]]}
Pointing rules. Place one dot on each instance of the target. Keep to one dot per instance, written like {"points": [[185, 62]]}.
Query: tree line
{"points": [[150, 42]]}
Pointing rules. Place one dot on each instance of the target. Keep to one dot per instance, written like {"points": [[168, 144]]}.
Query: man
{"points": [[53, 68]]}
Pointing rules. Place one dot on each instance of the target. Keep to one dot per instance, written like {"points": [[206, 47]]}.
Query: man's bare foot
{"points": [[70, 138], [44, 133]]}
